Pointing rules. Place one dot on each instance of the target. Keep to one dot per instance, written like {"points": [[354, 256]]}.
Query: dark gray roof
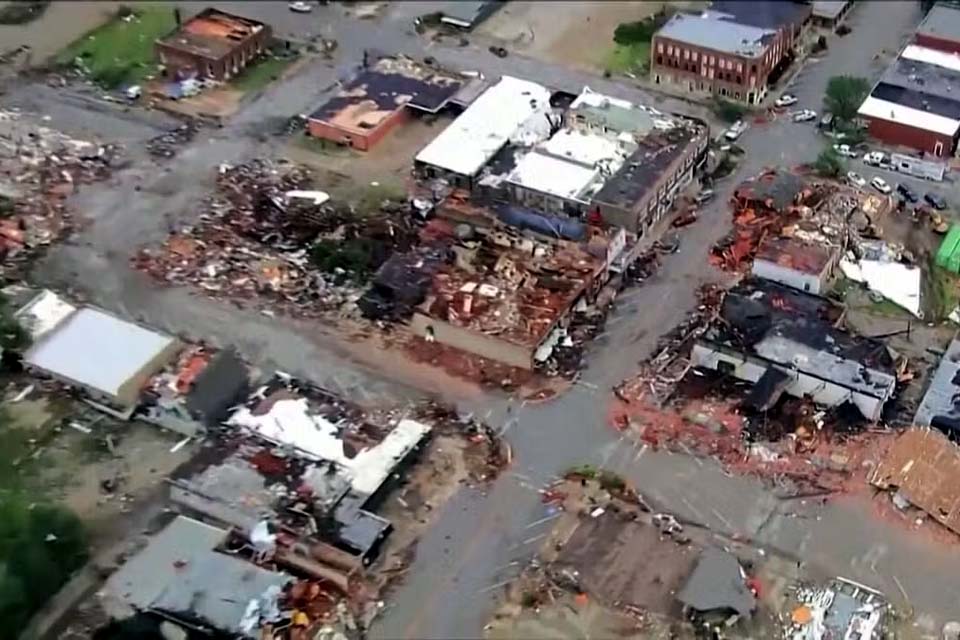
{"points": [[717, 583], [941, 404], [222, 382], [917, 98], [924, 78], [712, 31], [643, 167], [766, 14], [943, 21], [829, 8], [470, 12]]}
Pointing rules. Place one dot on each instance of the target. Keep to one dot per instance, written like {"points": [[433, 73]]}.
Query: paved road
{"points": [[448, 592]]}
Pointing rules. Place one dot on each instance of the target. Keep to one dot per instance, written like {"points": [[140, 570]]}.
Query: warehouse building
{"points": [[212, 44]]}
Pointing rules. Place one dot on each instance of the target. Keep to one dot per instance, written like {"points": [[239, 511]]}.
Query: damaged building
{"points": [[785, 341], [940, 406], [337, 466], [603, 158], [381, 98], [922, 467], [619, 163], [806, 267], [508, 299], [212, 44]]}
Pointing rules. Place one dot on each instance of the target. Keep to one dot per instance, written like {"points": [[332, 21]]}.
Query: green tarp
{"points": [[948, 255]]}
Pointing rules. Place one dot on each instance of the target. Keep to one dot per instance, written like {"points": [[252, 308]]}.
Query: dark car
{"points": [[908, 194], [936, 201]]}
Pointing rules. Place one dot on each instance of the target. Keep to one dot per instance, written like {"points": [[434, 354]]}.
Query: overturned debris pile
{"points": [[266, 237], [39, 168], [165, 145]]}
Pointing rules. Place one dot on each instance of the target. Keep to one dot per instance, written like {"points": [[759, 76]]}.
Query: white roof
{"points": [[43, 313], [552, 175], [893, 112], [932, 56], [585, 148], [291, 422], [97, 350], [591, 98], [472, 139]]}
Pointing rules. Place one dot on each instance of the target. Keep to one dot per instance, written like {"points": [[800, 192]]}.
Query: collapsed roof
{"points": [[718, 583]]}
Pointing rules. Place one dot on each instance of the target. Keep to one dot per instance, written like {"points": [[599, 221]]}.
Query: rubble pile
{"points": [[266, 237], [39, 168], [493, 452], [165, 145]]}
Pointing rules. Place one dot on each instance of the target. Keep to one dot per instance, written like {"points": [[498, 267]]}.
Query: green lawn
{"points": [[633, 58], [262, 73], [121, 51]]}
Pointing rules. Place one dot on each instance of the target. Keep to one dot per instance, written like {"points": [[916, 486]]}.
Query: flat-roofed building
{"points": [[212, 44]]}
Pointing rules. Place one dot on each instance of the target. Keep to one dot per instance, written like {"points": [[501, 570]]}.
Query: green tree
{"points": [[830, 164], [844, 96], [41, 545]]}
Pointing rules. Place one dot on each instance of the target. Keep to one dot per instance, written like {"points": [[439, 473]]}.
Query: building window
{"points": [[703, 72], [723, 91], [753, 68], [686, 54], [739, 67], [656, 78], [737, 95], [710, 74], [659, 47], [670, 50], [711, 61], [739, 79], [695, 56]]}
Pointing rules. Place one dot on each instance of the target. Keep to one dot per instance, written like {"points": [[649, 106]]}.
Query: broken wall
{"points": [[809, 282], [823, 392], [489, 347]]}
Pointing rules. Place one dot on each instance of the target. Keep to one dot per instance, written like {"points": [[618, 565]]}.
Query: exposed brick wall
{"points": [[175, 59], [362, 139], [943, 44], [895, 133]]}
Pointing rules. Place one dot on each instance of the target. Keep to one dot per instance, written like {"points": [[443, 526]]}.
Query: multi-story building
{"points": [[734, 50]]}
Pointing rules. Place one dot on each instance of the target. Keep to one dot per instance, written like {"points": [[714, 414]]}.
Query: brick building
{"points": [[212, 44], [915, 103], [940, 29], [733, 50], [379, 99]]}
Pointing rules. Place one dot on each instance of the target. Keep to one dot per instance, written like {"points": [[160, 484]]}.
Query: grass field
{"points": [[633, 58], [121, 51]]}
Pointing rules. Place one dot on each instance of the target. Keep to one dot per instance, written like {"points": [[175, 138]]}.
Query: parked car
{"points": [[875, 158], [908, 194], [300, 7], [845, 150], [880, 184], [500, 52], [786, 100], [735, 130], [804, 115], [704, 196], [856, 179], [826, 122], [935, 200]]}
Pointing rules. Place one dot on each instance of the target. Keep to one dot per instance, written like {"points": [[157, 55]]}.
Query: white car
{"points": [[804, 115], [786, 100], [300, 7], [880, 184], [874, 158], [735, 130], [856, 179], [845, 150]]}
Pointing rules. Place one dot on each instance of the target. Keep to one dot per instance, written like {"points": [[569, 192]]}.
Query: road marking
{"points": [[543, 520]]}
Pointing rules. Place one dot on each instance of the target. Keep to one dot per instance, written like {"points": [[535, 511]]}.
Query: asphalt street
{"points": [[480, 534]]}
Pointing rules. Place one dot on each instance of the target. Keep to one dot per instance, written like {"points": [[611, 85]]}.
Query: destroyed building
{"points": [[508, 298], [108, 358], [840, 609], [184, 575], [212, 44], [381, 98], [337, 464], [717, 587], [787, 341], [195, 392], [923, 468], [940, 406]]}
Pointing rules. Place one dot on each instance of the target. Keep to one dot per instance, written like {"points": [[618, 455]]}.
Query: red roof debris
{"points": [[792, 254], [925, 467]]}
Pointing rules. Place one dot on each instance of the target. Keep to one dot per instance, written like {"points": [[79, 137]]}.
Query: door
{"points": [[938, 149]]}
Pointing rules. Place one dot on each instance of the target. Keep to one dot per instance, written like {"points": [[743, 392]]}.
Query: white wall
{"points": [[823, 392], [769, 270]]}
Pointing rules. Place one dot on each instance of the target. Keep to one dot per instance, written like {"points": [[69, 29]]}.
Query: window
{"points": [[703, 72], [659, 59], [656, 78], [753, 68], [686, 54], [711, 61], [739, 79], [659, 47], [695, 55], [739, 67], [753, 81], [711, 74], [723, 91], [670, 50], [737, 95]]}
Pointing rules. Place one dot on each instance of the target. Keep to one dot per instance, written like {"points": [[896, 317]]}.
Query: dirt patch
{"points": [[537, 29], [388, 163]]}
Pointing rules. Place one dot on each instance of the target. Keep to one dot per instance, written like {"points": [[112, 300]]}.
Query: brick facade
{"points": [[941, 44], [898, 134], [180, 58], [361, 139], [704, 71]]}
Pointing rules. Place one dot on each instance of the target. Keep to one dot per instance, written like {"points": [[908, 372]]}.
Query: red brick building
{"points": [[378, 100], [730, 51], [940, 29], [212, 44]]}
